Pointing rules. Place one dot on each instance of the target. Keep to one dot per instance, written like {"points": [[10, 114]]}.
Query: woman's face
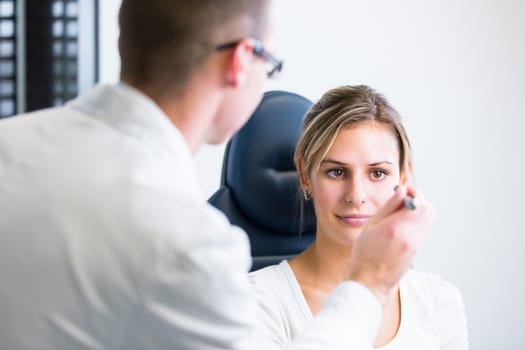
{"points": [[355, 179]]}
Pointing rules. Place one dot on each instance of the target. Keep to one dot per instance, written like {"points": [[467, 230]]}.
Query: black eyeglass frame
{"points": [[259, 51]]}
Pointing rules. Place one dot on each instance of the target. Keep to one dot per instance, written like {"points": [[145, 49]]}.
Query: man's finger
{"points": [[392, 205]]}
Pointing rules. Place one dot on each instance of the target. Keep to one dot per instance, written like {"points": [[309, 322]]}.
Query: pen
{"points": [[410, 202]]}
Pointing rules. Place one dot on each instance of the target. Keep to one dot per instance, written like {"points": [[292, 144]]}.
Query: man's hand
{"points": [[383, 252]]}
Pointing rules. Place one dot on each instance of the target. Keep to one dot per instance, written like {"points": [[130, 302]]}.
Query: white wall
{"points": [[456, 72]]}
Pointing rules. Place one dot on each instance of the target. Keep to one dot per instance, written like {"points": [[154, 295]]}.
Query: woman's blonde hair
{"points": [[342, 107]]}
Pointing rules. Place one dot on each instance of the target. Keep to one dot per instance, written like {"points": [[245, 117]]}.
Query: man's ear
{"points": [[238, 63]]}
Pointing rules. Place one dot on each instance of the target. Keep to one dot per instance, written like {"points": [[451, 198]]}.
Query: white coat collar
{"points": [[135, 114]]}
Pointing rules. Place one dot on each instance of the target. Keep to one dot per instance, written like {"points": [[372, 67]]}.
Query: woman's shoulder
{"points": [[279, 293], [430, 279], [270, 277], [431, 285], [431, 294]]}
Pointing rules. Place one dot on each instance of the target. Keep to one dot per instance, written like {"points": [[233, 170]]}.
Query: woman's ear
{"points": [[304, 179], [238, 63], [406, 174], [403, 178]]}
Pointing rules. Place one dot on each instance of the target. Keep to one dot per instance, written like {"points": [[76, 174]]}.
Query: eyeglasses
{"points": [[275, 64]]}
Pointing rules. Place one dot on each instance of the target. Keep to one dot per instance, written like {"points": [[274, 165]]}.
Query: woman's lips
{"points": [[354, 220]]}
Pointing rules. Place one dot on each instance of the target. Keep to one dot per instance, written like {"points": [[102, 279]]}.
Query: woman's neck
{"points": [[323, 265]]}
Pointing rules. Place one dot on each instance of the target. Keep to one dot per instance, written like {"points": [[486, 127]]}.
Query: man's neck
{"points": [[192, 111]]}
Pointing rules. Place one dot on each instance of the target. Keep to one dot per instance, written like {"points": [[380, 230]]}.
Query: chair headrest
{"points": [[266, 185]]}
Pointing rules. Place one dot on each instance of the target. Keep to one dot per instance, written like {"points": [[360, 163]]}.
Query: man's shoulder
{"points": [[29, 119]]}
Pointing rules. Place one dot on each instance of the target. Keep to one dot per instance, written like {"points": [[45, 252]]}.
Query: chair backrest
{"points": [[260, 186]]}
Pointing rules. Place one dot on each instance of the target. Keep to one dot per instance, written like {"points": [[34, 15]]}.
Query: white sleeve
{"points": [[198, 295], [451, 319]]}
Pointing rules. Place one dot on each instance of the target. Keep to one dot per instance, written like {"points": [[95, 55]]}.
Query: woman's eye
{"points": [[336, 173], [378, 174]]}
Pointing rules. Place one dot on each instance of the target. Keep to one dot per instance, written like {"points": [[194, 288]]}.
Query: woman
{"points": [[352, 152]]}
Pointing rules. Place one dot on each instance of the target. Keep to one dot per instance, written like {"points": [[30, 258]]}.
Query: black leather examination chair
{"points": [[259, 184]]}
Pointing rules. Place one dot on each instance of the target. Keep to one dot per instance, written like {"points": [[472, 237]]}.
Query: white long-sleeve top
{"points": [[107, 243], [432, 312]]}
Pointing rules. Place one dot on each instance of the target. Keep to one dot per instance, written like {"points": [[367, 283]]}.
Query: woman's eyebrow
{"points": [[332, 161], [328, 160], [379, 163]]}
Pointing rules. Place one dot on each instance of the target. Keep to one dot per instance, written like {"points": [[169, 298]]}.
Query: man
{"points": [[106, 240]]}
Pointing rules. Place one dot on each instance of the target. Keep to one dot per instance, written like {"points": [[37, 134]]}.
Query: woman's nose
{"points": [[355, 193]]}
